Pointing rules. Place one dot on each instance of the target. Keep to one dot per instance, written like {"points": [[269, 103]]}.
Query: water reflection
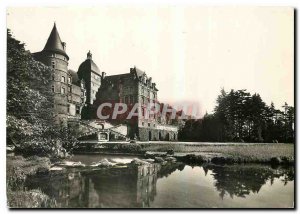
{"points": [[241, 180], [137, 186]]}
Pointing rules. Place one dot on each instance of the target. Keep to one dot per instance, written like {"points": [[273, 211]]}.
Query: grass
{"points": [[18, 169], [29, 199], [242, 152], [260, 151]]}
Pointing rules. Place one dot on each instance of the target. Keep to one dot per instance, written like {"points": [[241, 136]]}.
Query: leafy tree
{"points": [[30, 112], [29, 100]]}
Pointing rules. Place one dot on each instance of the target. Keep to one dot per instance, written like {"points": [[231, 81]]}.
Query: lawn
{"points": [[244, 151]]}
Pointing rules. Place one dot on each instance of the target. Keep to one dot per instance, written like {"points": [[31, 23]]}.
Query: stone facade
{"points": [[77, 95], [90, 73], [67, 88], [131, 88]]}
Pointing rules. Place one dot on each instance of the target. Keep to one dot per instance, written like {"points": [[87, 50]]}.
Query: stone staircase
{"points": [[90, 127]]}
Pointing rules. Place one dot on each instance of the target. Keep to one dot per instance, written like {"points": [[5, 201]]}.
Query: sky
{"points": [[191, 52]]}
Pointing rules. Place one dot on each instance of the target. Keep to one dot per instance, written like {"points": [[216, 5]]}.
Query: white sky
{"points": [[191, 52]]}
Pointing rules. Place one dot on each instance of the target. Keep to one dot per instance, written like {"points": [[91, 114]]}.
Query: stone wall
{"points": [[149, 134]]}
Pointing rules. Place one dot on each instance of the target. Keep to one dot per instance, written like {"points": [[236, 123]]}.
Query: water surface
{"points": [[170, 186]]}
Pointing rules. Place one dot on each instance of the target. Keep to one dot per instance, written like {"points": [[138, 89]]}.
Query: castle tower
{"points": [[90, 73], [54, 55]]}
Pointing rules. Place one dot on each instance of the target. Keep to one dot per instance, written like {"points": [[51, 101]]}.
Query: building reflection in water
{"points": [[121, 187], [135, 187]]}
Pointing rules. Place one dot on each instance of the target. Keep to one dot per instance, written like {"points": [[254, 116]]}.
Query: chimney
{"points": [[103, 75], [132, 69], [64, 45]]}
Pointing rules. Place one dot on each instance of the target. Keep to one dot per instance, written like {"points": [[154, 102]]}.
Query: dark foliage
{"points": [[242, 117], [30, 112]]}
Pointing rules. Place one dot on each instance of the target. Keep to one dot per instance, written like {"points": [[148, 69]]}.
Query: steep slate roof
{"points": [[139, 72], [88, 65], [54, 43], [115, 78]]}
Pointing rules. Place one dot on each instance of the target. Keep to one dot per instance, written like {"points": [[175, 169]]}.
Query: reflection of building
{"points": [[131, 187]]}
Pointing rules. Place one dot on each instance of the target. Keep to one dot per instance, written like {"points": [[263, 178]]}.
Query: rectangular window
{"points": [[70, 89], [53, 89], [148, 124], [53, 64], [77, 109], [68, 108], [69, 79], [63, 90], [63, 79], [53, 77]]}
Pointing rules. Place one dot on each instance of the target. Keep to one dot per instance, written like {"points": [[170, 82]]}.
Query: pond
{"points": [[170, 186]]}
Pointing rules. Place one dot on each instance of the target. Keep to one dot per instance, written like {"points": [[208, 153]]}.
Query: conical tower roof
{"points": [[54, 43]]}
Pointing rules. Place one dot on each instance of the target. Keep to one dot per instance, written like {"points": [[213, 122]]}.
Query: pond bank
{"points": [[200, 152], [168, 154], [18, 169], [45, 180]]}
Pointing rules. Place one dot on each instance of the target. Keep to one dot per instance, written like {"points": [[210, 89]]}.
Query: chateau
{"points": [[77, 95]]}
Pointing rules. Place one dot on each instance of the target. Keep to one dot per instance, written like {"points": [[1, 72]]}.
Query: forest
{"points": [[240, 116]]}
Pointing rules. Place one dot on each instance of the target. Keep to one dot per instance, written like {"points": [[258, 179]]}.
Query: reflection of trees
{"points": [[241, 180], [167, 169], [136, 186]]}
